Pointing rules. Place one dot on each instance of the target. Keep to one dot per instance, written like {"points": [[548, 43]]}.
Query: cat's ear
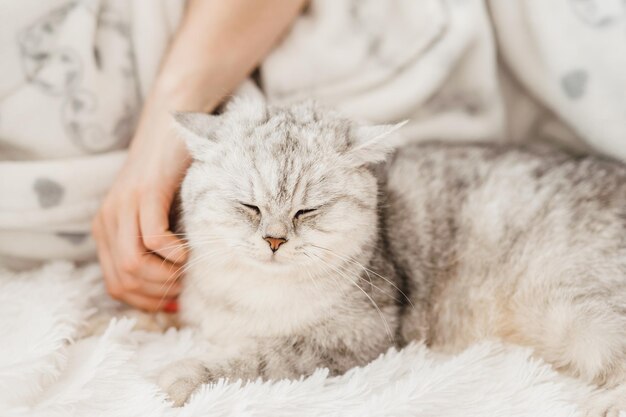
{"points": [[248, 100], [197, 129], [373, 143], [249, 91]]}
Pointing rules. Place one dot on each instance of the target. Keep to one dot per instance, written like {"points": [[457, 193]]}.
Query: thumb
{"points": [[155, 230]]}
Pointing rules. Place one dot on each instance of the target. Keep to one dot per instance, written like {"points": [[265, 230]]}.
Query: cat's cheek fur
{"points": [[346, 239]]}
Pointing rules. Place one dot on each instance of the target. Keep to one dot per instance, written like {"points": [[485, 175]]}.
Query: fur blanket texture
{"points": [[457, 69], [68, 351]]}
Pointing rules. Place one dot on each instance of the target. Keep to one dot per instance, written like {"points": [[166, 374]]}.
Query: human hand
{"points": [[141, 259]]}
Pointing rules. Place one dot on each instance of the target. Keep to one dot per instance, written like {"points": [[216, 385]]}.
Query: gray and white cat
{"points": [[303, 258]]}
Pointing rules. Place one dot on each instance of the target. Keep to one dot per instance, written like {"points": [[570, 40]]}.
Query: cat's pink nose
{"points": [[274, 242]]}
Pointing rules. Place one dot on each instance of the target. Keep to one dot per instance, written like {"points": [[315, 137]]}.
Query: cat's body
{"points": [[528, 247], [458, 244]]}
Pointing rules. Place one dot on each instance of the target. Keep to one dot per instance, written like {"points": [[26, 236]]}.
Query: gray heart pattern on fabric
{"points": [[574, 83], [599, 13], [75, 238], [49, 193]]}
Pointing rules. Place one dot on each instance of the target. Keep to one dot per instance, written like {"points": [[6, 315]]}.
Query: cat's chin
{"points": [[277, 265], [274, 262]]}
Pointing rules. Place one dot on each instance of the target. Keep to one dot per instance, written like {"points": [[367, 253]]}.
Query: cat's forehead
{"points": [[288, 157], [282, 166], [300, 131]]}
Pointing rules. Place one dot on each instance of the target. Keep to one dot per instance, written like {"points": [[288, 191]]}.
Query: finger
{"points": [[158, 270], [136, 265], [129, 249], [141, 289], [168, 289], [153, 295], [111, 281], [147, 267], [153, 220]]}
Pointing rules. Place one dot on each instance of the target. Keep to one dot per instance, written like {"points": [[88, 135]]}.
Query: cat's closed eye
{"points": [[304, 212], [252, 208]]}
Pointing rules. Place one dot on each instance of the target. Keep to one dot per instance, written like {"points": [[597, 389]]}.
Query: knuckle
{"points": [[106, 209], [153, 242], [130, 264], [115, 291], [130, 284]]}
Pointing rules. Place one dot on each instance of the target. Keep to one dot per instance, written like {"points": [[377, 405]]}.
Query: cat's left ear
{"points": [[197, 129], [373, 143]]}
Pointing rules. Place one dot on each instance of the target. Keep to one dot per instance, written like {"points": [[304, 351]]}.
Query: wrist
{"points": [[156, 147], [192, 91]]}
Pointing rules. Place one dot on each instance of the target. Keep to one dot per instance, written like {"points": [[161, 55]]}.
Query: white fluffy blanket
{"points": [[47, 368], [83, 68]]}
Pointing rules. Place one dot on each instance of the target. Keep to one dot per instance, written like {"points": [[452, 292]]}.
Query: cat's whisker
{"points": [[185, 267], [200, 258], [167, 290], [160, 235], [337, 286], [367, 270], [392, 296], [180, 255], [335, 281], [186, 244], [380, 313], [181, 235], [313, 280], [371, 283], [174, 276], [170, 247], [176, 246], [382, 317]]}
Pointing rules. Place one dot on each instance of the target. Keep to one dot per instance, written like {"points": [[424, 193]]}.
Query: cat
{"points": [[306, 252]]}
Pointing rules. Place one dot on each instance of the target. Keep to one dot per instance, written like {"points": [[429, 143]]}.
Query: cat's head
{"points": [[280, 188]]}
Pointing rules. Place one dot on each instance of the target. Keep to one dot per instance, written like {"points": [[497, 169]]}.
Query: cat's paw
{"points": [[180, 379], [609, 403]]}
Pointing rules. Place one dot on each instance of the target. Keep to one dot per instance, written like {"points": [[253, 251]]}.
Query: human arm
{"points": [[217, 45]]}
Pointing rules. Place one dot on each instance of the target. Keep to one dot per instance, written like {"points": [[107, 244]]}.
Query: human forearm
{"points": [[218, 45]]}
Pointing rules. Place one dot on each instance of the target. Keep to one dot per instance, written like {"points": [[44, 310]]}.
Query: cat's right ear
{"points": [[198, 131], [372, 144]]}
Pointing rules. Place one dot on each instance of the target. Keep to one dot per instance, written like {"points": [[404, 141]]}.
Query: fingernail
{"points": [[171, 307]]}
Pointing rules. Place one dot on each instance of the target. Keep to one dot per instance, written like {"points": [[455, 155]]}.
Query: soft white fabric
{"points": [[47, 369], [73, 75], [559, 76], [570, 55], [429, 61], [72, 78]]}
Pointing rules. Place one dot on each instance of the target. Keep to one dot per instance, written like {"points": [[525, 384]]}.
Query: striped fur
{"points": [[452, 244]]}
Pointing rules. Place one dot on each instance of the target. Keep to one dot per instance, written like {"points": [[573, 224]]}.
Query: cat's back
{"points": [[505, 181], [468, 220]]}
